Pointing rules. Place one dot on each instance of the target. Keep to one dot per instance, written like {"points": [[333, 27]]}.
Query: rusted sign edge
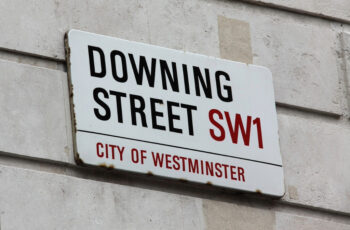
{"points": [[77, 158]]}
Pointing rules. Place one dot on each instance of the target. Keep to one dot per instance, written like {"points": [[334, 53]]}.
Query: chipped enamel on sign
{"points": [[148, 109]]}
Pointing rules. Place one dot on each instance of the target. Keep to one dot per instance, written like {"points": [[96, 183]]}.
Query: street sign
{"points": [[170, 113]]}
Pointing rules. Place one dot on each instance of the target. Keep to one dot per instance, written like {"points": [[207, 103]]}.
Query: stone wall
{"points": [[306, 45]]}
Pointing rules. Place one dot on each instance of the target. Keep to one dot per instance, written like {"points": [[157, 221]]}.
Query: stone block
{"points": [[34, 121], [249, 216], [36, 200], [305, 73], [303, 60], [38, 26], [315, 155], [226, 215], [345, 36], [286, 221], [33, 113], [183, 25], [338, 9]]}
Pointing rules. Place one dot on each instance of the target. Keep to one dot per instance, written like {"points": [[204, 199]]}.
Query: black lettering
{"points": [[93, 72], [189, 117], [173, 117], [227, 88], [198, 79], [123, 78], [156, 113], [139, 110], [118, 96], [107, 114], [187, 84], [164, 69], [143, 66]]}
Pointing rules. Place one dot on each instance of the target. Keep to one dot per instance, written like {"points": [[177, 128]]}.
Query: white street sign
{"points": [[148, 109]]}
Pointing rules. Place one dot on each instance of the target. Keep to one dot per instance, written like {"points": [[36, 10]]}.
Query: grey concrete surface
{"points": [[290, 222], [35, 200], [310, 61], [40, 200], [309, 80], [40, 24], [33, 112], [346, 66], [35, 101], [302, 81], [316, 161], [338, 9], [222, 215]]}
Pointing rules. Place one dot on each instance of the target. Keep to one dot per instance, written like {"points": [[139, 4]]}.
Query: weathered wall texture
{"points": [[306, 44]]}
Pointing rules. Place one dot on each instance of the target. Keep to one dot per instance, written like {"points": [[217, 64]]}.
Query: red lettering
{"points": [[183, 159], [167, 161], [134, 155], [239, 126], [176, 165], [113, 147], [221, 137], [258, 127], [218, 172], [233, 172], [202, 171], [157, 160], [143, 157], [106, 150], [225, 169], [98, 146], [193, 167], [121, 151], [209, 168], [241, 174]]}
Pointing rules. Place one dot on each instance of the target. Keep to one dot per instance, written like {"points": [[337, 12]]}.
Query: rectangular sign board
{"points": [[148, 109]]}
